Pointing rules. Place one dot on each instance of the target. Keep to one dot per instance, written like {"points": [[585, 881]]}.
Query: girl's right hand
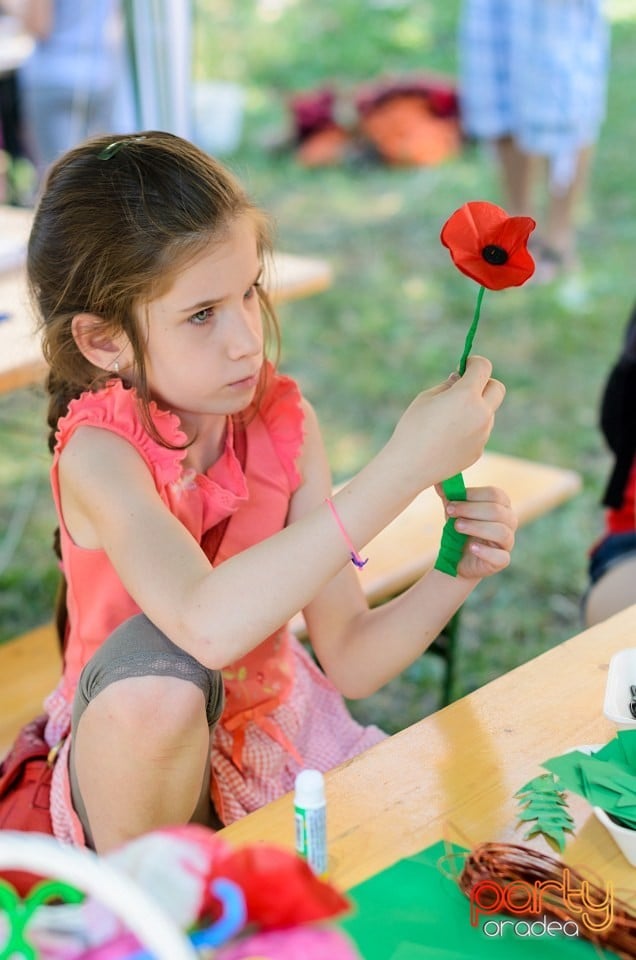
{"points": [[446, 428]]}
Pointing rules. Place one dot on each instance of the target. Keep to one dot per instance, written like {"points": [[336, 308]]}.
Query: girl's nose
{"points": [[245, 336]]}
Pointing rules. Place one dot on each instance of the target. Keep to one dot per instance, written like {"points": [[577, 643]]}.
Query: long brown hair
{"points": [[118, 217]]}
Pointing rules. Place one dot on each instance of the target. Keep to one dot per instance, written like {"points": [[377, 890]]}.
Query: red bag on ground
{"points": [[25, 781], [25, 790]]}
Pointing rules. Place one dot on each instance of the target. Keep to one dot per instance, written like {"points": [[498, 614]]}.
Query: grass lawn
{"points": [[395, 318]]}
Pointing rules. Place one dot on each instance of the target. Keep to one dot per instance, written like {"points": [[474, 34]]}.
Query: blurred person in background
{"points": [[533, 82], [16, 46], [71, 84]]}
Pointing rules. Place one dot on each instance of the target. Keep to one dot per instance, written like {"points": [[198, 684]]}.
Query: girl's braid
{"points": [[60, 396]]}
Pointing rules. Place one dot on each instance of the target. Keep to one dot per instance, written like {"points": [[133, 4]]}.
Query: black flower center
{"points": [[495, 255]]}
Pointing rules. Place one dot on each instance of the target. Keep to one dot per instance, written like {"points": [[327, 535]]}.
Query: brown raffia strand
{"points": [[507, 862]]}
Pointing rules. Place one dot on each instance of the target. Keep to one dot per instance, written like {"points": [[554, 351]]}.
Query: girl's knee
{"points": [[174, 682], [148, 736], [612, 592], [159, 713]]}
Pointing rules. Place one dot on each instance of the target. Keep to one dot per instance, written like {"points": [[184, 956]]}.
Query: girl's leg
{"points": [[612, 592], [142, 723], [560, 231], [518, 174], [140, 757]]}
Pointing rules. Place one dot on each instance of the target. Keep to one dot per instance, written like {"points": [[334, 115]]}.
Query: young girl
{"points": [[187, 696]]}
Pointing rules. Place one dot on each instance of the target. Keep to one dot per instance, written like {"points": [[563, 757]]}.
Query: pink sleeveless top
{"points": [[258, 501], [280, 712]]}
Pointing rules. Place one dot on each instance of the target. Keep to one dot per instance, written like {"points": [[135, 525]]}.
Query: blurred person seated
{"points": [[612, 568]]}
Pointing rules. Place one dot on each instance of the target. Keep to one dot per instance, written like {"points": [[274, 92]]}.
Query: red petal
{"points": [[478, 224], [514, 233]]}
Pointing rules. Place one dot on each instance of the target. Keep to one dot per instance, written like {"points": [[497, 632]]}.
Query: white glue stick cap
{"points": [[310, 789]]}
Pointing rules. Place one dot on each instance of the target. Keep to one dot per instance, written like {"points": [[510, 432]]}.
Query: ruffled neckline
{"points": [[117, 407]]}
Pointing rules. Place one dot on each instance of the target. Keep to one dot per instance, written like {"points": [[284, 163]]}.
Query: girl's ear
{"points": [[101, 348]]}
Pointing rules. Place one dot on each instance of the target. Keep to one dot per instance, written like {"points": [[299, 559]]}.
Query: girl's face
{"points": [[204, 349]]}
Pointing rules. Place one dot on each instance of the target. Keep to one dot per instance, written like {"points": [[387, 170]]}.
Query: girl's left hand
{"points": [[490, 522]]}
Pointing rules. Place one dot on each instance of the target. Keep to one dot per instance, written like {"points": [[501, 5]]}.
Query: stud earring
{"points": [[116, 366]]}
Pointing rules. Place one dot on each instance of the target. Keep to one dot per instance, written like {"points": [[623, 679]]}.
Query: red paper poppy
{"points": [[488, 245], [280, 889]]}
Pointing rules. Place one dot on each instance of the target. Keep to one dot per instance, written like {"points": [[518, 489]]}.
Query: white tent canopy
{"points": [[160, 37], [166, 98]]}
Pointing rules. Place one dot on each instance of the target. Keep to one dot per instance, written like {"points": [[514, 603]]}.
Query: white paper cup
{"points": [[620, 676], [625, 839]]}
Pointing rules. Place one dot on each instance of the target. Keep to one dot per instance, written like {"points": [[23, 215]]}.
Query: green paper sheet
{"points": [[605, 778], [413, 911], [414, 951]]}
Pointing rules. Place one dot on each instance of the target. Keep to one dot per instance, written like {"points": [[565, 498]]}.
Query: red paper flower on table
{"points": [[488, 245], [280, 889]]}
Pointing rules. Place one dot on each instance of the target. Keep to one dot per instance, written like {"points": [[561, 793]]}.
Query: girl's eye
{"points": [[251, 291], [203, 316]]}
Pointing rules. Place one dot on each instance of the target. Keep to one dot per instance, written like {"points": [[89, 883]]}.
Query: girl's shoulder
{"points": [[281, 409], [116, 408]]}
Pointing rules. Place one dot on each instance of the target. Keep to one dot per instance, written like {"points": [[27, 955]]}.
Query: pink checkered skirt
{"points": [[314, 720]]}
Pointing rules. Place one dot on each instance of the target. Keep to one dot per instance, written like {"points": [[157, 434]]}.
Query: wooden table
{"points": [[454, 774], [21, 363]]}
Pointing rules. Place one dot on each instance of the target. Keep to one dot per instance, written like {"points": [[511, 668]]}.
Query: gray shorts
{"points": [[138, 649]]}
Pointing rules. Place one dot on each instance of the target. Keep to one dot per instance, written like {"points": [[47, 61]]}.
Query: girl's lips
{"points": [[250, 381]]}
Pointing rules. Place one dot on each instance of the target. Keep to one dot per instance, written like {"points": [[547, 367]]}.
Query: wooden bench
{"points": [[30, 664], [29, 670]]}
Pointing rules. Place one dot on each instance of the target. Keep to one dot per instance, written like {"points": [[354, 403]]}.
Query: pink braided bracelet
{"points": [[356, 559]]}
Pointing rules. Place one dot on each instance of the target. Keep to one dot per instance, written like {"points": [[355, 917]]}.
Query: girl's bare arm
{"points": [[109, 502], [362, 649]]}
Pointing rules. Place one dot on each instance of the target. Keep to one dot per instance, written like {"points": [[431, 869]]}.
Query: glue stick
{"points": [[310, 813]]}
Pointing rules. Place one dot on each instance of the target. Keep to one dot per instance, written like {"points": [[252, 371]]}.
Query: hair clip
{"points": [[116, 146]]}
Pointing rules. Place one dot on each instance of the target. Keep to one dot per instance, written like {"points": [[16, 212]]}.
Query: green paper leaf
{"points": [[610, 752], [627, 741], [606, 778], [544, 802], [556, 834], [546, 815], [540, 784]]}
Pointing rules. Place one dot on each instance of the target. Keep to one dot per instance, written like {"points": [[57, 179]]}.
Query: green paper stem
{"points": [[470, 336], [452, 543]]}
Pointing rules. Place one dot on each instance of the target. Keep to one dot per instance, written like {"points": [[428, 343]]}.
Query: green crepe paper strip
{"points": [[543, 801], [606, 778], [452, 543]]}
